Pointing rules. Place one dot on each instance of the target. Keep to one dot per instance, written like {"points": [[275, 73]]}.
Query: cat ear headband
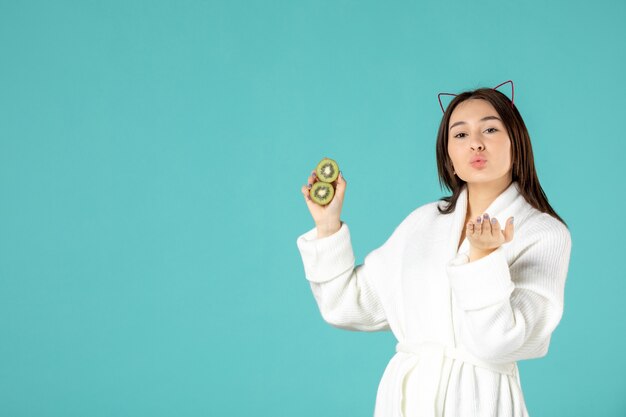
{"points": [[494, 88]]}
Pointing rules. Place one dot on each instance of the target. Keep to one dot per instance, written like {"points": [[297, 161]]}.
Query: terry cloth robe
{"points": [[461, 326]]}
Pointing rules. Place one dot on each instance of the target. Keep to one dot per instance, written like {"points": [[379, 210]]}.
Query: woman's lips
{"points": [[479, 164]]}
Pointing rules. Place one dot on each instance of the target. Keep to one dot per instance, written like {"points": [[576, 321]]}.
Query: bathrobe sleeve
{"points": [[508, 312], [349, 297]]}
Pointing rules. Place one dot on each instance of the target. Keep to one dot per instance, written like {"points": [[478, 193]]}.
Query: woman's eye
{"points": [[488, 129]]}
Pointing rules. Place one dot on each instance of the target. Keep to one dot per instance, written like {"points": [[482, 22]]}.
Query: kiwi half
{"points": [[327, 170], [322, 192]]}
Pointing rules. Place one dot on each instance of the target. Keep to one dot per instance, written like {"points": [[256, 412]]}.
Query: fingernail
{"points": [[511, 221], [309, 186], [493, 221], [479, 219]]}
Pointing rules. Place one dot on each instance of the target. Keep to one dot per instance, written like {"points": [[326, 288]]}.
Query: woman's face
{"points": [[475, 129]]}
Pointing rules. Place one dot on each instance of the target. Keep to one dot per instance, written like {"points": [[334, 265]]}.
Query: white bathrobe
{"points": [[461, 326]]}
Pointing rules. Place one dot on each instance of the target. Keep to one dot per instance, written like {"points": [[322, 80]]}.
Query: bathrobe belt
{"points": [[430, 358]]}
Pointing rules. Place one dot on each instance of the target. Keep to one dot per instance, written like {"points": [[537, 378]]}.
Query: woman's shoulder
{"points": [[544, 226], [424, 214]]}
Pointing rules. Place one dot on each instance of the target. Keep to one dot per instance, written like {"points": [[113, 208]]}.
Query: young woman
{"points": [[468, 287]]}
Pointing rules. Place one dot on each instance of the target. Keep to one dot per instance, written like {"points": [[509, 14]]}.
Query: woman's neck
{"points": [[481, 195]]}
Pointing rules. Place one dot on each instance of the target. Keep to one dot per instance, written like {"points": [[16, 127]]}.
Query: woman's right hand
{"points": [[326, 218]]}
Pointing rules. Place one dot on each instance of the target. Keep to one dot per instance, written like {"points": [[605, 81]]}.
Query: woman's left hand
{"points": [[485, 235]]}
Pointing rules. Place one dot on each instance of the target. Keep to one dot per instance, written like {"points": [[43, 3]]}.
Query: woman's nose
{"points": [[476, 142]]}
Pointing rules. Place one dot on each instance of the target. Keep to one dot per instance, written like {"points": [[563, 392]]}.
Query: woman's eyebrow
{"points": [[481, 120]]}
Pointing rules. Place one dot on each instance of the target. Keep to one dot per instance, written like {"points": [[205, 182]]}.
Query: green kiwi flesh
{"points": [[322, 193], [327, 170]]}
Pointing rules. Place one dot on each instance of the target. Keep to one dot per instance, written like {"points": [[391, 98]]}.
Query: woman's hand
{"points": [[326, 218], [485, 236]]}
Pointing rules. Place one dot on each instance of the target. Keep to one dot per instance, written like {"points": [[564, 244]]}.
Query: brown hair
{"points": [[523, 165]]}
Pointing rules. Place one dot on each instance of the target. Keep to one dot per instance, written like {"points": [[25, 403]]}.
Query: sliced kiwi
{"points": [[322, 192], [327, 170]]}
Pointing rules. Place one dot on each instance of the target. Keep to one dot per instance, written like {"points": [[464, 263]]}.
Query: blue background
{"points": [[151, 160]]}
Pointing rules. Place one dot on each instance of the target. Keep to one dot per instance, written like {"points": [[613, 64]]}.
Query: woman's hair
{"points": [[523, 164]]}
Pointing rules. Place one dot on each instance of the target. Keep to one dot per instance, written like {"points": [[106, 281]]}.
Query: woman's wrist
{"points": [[476, 254], [328, 229]]}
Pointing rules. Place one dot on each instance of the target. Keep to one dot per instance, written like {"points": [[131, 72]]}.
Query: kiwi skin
{"points": [[327, 170], [322, 193]]}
